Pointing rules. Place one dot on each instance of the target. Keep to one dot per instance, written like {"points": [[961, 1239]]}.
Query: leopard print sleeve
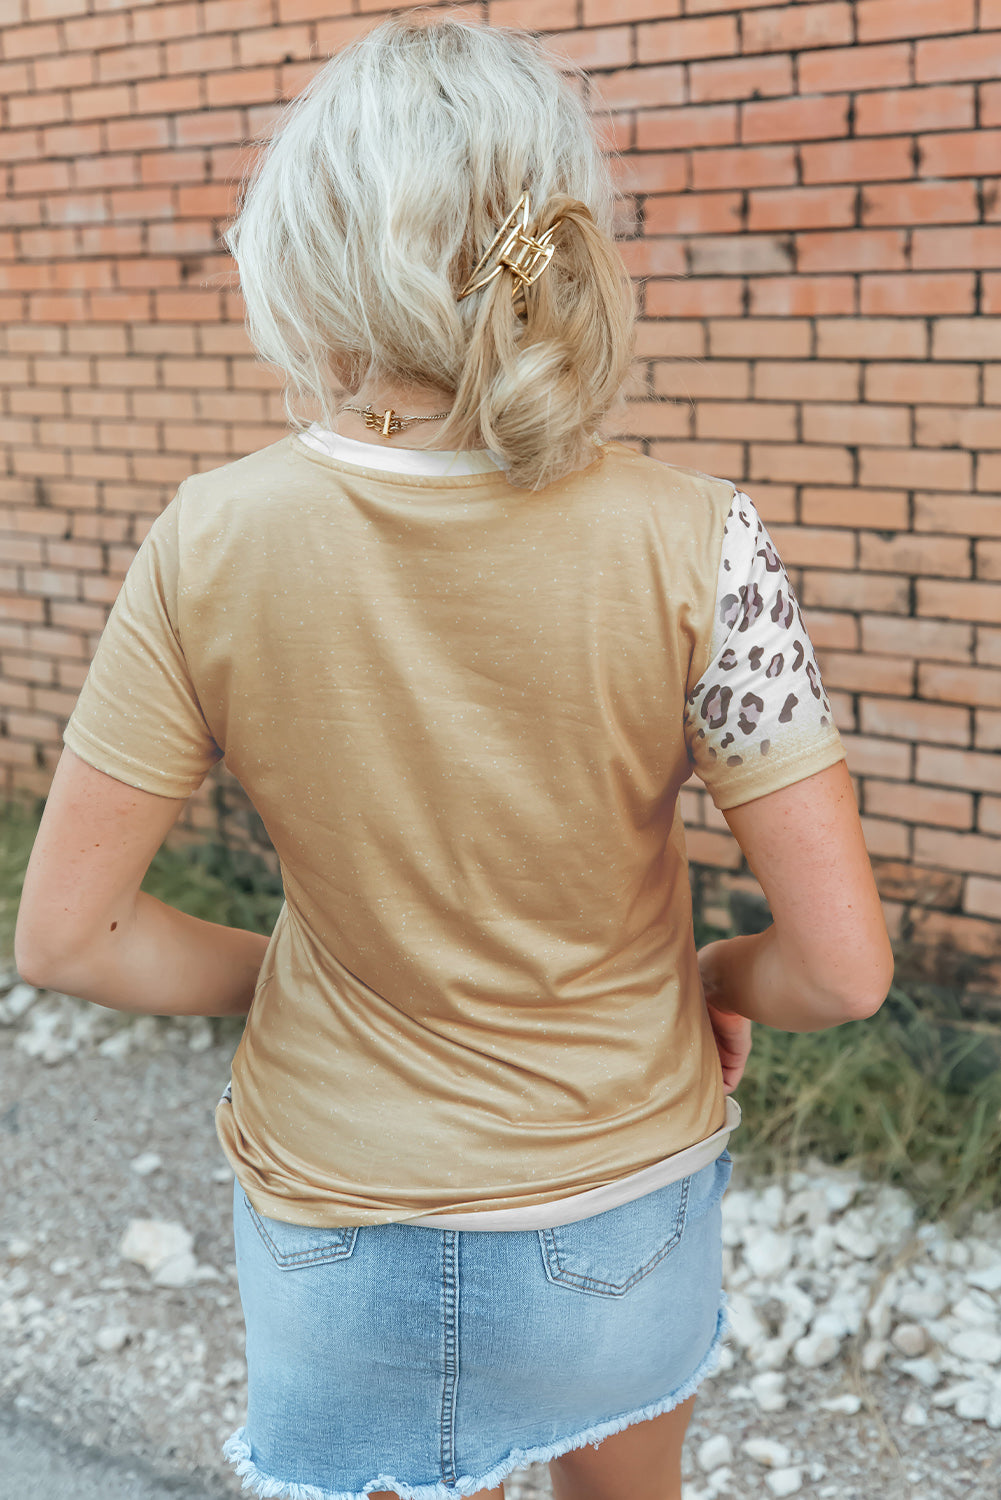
{"points": [[758, 719]]}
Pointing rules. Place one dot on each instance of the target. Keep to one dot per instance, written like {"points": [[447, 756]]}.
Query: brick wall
{"points": [[817, 237]]}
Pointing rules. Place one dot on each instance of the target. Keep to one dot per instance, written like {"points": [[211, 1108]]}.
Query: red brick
{"points": [[964, 768], [960, 154], [711, 458], [910, 720], [666, 41], [642, 88], [966, 852], [874, 757], [809, 380], [872, 338], [821, 506], [101, 103], [879, 19], [757, 419], [705, 297], [988, 557], [691, 379], [920, 203], [987, 652], [987, 729], [695, 125], [855, 67], [163, 22], [988, 471], [241, 86], [789, 28], [651, 172], [739, 255], [830, 630], [943, 107], [944, 556], [910, 467], [597, 11], [800, 208], [30, 41], [989, 819], [867, 674], [979, 603], [855, 591], [990, 293], [957, 427], [934, 293], [799, 462], [916, 804], [970, 245], [968, 338], [123, 63], [208, 129], [740, 78], [609, 47], [917, 638], [752, 338], [990, 104], [853, 423], [871, 160], [36, 109], [806, 119], [885, 839], [980, 687], [232, 15], [800, 296], [949, 59], [744, 167], [691, 213], [647, 419], [852, 250], [170, 95], [926, 383], [983, 897], [70, 71]]}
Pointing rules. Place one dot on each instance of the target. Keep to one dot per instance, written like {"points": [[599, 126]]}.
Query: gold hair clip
{"points": [[516, 250]]}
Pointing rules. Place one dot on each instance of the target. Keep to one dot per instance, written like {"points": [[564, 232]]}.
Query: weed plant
{"points": [[911, 1097]]}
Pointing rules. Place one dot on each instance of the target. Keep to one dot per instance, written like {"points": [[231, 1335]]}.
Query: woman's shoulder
{"points": [[668, 483]]}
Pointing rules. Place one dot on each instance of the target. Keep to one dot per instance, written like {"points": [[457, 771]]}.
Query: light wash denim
{"points": [[432, 1362]]}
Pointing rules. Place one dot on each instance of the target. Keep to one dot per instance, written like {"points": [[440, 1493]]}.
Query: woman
{"points": [[462, 655]]}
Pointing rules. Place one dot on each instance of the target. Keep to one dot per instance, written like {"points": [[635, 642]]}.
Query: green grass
{"points": [[911, 1097]]}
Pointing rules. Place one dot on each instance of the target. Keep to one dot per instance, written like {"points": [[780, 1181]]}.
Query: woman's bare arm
{"points": [[85, 927], [826, 959]]}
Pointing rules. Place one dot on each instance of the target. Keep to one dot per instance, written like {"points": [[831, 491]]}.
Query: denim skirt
{"points": [[431, 1362]]}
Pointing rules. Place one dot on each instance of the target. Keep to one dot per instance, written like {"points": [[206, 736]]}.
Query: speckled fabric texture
{"points": [[464, 712]]}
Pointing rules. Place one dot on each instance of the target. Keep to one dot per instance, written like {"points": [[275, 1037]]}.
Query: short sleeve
{"points": [[138, 717], [758, 719]]}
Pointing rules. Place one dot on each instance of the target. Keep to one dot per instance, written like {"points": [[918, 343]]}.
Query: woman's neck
{"points": [[389, 401]]}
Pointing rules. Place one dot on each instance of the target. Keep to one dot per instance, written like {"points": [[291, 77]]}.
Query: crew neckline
{"points": [[436, 462], [495, 476]]}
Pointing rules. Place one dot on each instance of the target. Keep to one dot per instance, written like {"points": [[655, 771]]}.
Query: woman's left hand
{"points": [[733, 1043]]}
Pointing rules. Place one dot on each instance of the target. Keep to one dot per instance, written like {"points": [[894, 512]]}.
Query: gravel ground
{"points": [[103, 1123]]}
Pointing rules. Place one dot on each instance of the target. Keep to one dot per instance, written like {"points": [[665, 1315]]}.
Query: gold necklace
{"points": [[387, 422]]}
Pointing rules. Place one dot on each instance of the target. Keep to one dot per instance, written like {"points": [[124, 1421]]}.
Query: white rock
{"points": [[993, 1417], [977, 1344], [17, 1249], [785, 1481], [976, 1308], [714, 1452], [146, 1164], [987, 1278], [839, 1192], [973, 1404], [745, 1325], [200, 1034], [910, 1339], [914, 1415], [768, 1452], [153, 1242], [879, 1319], [921, 1303], [768, 1253], [925, 1371], [847, 1405], [953, 1393], [815, 1350], [117, 1045], [768, 1390], [810, 1205], [16, 1002], [860, 1243], [771, 1354], [180, 1270], [112, 1337]]}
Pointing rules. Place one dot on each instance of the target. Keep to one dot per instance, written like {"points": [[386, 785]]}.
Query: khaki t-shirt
{"points": [[464, 713]]}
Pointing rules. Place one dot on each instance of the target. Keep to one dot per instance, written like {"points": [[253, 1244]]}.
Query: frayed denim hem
{"points": [[237, 1450]]}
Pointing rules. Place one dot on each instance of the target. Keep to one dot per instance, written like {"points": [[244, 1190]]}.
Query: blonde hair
{"points": [[380, 188]]}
